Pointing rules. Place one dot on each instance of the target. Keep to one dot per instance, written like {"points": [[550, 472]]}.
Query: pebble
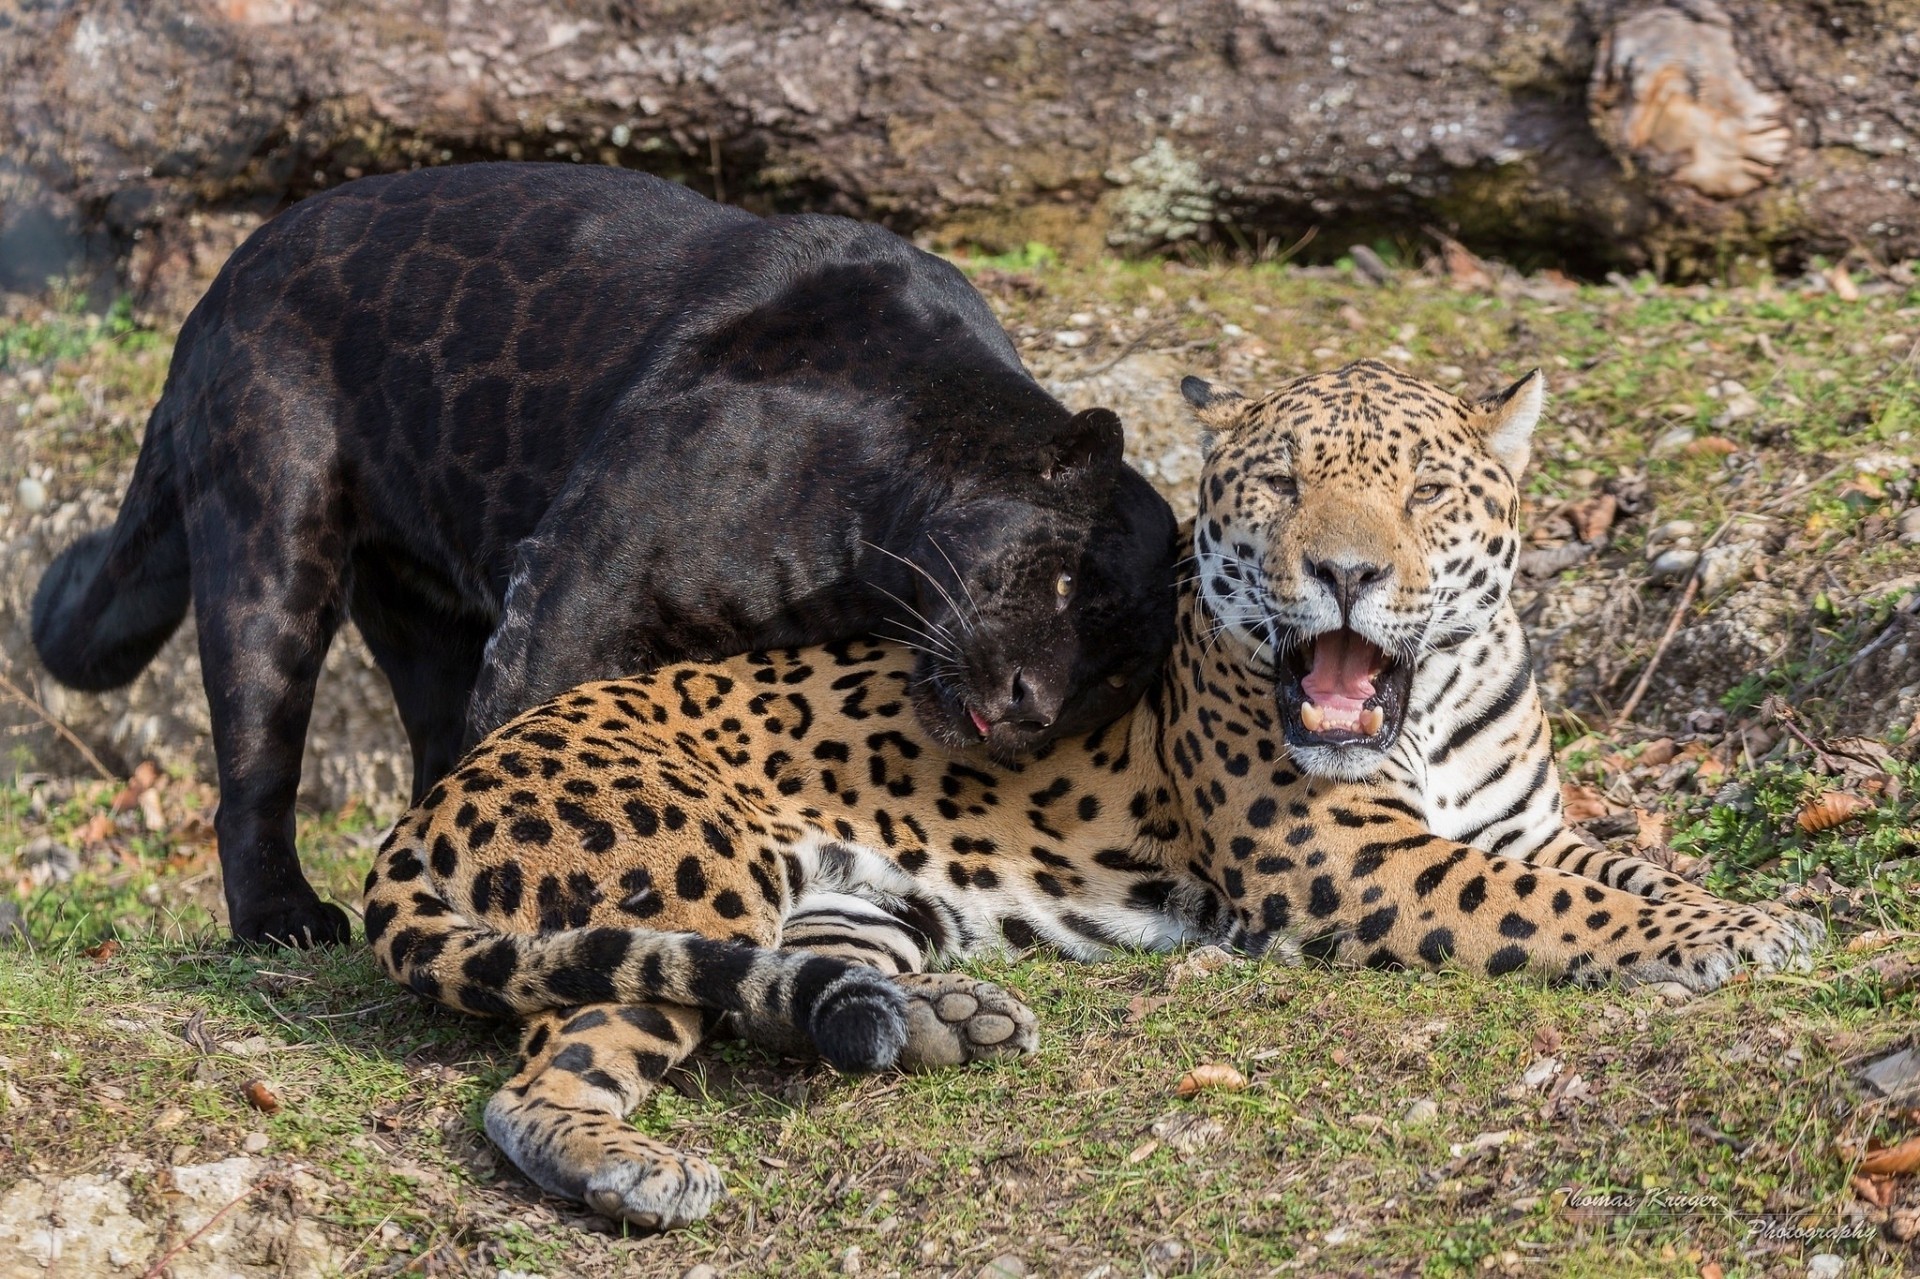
{"points": [[1669, 565], [1723, 566], [1421, 1113], [1164, 1255], [850, 1261], [254, 1143], [1070, 338], [701, 1271], [33, 496], [1004, 1267], [1825, 1265], [1910, 524], [1672, 441]]}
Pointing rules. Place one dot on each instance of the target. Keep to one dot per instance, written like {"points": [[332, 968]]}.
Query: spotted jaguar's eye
{"points": [[1063, 586], [1285, 485], [1423, 494]]}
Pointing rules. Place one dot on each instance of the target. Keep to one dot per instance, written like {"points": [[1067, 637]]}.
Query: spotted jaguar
{"points": [[1345, 755]]}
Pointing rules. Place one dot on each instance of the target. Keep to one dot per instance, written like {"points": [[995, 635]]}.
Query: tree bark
{"points": [[1590, 133]]}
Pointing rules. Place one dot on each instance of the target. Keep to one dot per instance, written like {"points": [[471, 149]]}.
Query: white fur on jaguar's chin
{"points": [[1339, 763]]}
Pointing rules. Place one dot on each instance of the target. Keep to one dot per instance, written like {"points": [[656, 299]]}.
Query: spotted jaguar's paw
{"points": [[953, 1019], [602, 1161], [663, 1192]]}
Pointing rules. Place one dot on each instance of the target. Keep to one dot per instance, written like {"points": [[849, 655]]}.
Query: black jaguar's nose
{"points": [[1030, 704]]}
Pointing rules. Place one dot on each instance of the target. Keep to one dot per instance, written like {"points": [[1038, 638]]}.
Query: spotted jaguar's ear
{"points": [[1507, 420], [1218, 408], [1091, 444]]}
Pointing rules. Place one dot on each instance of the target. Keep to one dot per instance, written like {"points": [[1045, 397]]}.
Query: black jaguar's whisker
{"points": [[944, 639], [959, 614], [958, 576]]}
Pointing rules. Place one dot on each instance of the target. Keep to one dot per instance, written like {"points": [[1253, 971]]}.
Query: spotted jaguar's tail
{"points": [[109, 601], [855, 1016]]}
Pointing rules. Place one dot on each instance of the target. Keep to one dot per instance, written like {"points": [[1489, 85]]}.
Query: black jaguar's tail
{"points": [[109, 601]]}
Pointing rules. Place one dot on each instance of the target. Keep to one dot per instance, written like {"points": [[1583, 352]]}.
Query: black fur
{"points": [[530, 425]]}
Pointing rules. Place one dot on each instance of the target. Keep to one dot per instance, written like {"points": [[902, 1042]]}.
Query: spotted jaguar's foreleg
{"points": [[951, 1018], [562, 1118], [1643, 878], [1372, 887]]}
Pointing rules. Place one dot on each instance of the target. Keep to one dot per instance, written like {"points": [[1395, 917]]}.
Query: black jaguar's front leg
{"points": [[951, 1018]]}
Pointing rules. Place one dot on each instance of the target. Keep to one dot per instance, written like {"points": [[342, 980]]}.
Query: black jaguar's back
{"points": [[534, 424]]}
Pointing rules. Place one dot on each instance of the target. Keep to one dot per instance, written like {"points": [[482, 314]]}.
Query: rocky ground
{"points": [[1722, 582]]}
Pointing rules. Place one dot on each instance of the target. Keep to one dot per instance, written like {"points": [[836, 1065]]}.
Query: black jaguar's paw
{"points": [[860, 1023], [300, 924]]}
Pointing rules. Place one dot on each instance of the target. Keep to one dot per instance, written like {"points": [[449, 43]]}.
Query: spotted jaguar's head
{"points": [[1351, 523], [1042, 601]]}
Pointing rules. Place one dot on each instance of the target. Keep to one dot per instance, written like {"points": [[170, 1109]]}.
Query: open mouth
{"points": [[1341, 689]]}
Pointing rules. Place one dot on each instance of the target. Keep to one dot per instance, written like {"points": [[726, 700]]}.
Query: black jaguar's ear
{"points": [[1092, 442]]}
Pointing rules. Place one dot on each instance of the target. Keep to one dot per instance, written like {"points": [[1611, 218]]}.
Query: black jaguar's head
{"points": [[1042, 605]]}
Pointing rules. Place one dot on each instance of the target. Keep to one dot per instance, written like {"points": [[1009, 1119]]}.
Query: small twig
{"points": [[46, 717], [186, 1243], [1880, 641], [1819, 753], [1673, 628], [1139, 339]]}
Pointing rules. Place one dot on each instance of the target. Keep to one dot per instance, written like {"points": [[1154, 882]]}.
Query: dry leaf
{"points": [[1203, 962], [1872, 939], [1711, 1270], [1592, 517], [1466, 270], [98, 830], [1211, 1075], [1897, 975], [1342, 1058], [103, 952], [1546, 1042], [152, 816], [1143, 1150], [1842, 281], [1582, 803], [1892, 1161], [1650, 829], [1711, 446], [260, 1096], [1660, 750], [1140, 1007], [1830, 810], [1877, 1191]]}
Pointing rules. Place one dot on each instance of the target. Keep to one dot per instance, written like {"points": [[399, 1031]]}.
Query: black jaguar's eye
{"points": [[1428, 492], [1116, 681], [1063, 587]]}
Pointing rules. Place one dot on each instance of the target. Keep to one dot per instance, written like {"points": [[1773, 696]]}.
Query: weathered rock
{"points": [[1605, 131]]}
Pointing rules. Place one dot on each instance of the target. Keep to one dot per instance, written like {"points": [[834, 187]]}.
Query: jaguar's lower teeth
{"points": [[1371, 720], [1311, 718]]}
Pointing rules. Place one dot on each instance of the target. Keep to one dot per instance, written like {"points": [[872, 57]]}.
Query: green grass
{"points": [[1082, 1155]]}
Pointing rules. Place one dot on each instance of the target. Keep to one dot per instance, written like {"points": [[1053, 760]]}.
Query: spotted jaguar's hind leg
{"points": [[562, 1118], [951, 1018]]}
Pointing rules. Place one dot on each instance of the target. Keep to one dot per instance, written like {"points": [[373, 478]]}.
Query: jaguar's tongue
{"points": [[1339, 684], [980, 723]]}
